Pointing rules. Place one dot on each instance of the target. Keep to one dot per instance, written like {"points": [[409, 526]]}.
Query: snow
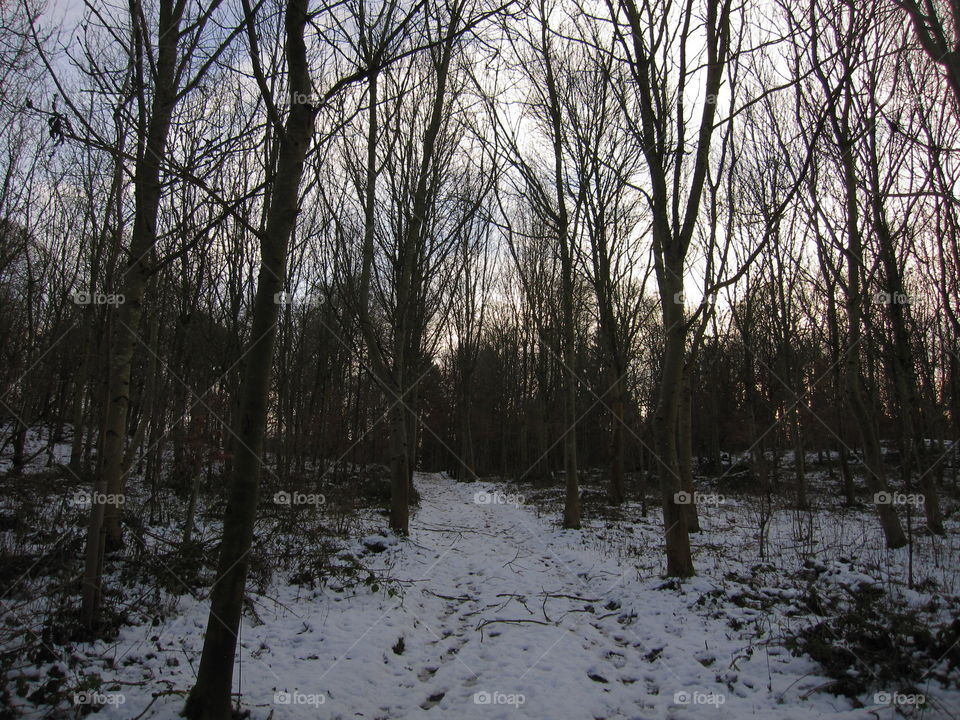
{"points": [[489, 611]]}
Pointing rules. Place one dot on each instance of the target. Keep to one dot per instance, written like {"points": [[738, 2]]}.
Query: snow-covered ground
{"points": [[489, 610]]}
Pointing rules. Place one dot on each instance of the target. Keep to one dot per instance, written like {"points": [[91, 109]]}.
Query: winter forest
{"points": [[469, 359]]}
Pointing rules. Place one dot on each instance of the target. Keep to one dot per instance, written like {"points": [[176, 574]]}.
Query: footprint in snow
{"points": [[618, 660], [433, 700], [426, 674], [456, 647]]}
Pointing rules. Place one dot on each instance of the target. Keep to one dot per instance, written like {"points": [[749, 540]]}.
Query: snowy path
{"points": [[470, 570], [502, 615]]}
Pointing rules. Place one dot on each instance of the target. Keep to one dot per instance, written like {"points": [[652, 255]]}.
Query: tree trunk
{"points": [[467, 461], [79, 409], [399, 471], [413, 428], [799, 459], [571, 507], [679, 557], [903, 366], [104, 524], [617, 492], [685, 451], [210, 697], [875, 474]]}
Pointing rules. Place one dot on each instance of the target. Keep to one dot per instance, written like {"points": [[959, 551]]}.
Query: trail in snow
{"points": [[504, 615], [499, 614]]}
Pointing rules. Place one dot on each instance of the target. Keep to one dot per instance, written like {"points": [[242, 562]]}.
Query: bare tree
{"points": [[847, 32], [210, 697], [644, 34]]}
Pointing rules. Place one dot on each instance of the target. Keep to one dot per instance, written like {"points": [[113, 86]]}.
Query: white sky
{"points": [[63, 14]]}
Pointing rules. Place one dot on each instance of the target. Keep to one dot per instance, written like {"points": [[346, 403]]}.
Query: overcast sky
{"points": [[62, 13]]}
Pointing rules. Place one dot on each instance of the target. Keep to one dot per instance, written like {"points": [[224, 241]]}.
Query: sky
{"points": [[63, 14]]}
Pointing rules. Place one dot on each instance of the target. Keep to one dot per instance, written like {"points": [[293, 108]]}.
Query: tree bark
{"points": [[666, 416], [685, 450]]}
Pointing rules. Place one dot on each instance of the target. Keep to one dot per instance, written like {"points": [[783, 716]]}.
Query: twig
{"points": [[461, 598], [519, 598], [154, 699], [482, 625]]}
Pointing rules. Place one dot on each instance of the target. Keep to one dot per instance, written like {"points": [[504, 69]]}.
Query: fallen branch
{"points": [[519, 598], [484, 624], [461, 598], [547, 596], [513, 621]]}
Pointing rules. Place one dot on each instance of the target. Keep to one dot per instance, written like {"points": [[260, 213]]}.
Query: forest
{"points": [[479, 359]]}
